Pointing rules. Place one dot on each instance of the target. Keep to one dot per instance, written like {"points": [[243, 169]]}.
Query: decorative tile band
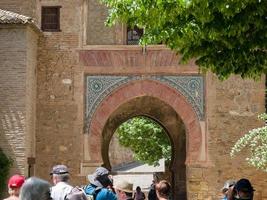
{"points": [[100, 86]]}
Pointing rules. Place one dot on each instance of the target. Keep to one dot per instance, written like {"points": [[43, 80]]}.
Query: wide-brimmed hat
{"points": [[244, 185], [59, 169], [99, 173], [16, 181], [124, 186]]}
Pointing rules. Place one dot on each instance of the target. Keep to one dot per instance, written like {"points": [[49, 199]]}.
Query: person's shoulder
{"points": [[105, 192], [11, 198], [89, 189]]}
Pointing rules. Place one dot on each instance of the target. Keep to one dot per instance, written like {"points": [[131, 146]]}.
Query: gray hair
{"points": [[35, 188], [62, 177]]}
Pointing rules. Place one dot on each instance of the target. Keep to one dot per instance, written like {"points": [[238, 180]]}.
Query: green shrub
{"points": [[5, 164]]}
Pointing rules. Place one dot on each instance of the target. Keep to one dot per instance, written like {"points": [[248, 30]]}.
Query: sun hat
{"points": [[100, 173], [244, 185], [59, 169], [124, 186], [16, 181]]}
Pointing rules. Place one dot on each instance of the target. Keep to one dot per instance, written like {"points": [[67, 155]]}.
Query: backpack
{"points": [[94, 193], [76, 193]]}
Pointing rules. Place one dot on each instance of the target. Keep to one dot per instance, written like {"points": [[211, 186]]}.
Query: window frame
{"points": [[140, 34], [43, 28]]}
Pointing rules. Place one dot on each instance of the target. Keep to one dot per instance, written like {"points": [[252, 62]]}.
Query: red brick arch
{"points": [[148, 88]]}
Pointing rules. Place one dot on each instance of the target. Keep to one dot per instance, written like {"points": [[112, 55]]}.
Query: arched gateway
{"points": [[175, 108]]}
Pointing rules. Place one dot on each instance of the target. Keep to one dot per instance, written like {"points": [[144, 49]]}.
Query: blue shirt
{"points": [[102, 194]]}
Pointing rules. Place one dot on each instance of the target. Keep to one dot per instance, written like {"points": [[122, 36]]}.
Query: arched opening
{"points": [[173, 125], [140, 151], [119, 106]]}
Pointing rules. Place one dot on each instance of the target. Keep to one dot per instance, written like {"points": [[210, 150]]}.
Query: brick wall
{"points": [[59, 136], [17, 102], [96, 31], [31, 91]]}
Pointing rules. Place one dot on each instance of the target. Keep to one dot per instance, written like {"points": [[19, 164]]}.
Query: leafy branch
{"points": [[146, 139], [256, 141]]}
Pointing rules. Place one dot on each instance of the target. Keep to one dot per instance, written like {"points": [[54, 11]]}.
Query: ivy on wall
{"points": [[5, 164]]}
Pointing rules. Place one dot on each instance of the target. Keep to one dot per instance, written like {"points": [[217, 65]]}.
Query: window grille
{"points": [[134, 35], [51, 18]]}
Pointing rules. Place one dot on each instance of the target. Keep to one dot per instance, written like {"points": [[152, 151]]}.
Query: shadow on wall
{"points": [[13, 139]]}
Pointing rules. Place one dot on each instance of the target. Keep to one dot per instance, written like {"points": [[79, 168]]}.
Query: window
{"points": [[134, 35], [51, 18]]}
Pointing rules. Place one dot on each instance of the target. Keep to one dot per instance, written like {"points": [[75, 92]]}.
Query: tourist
{"points": [[163, 190], [124, 190], [60, 177], [35, 188], [227, 185], [76, 194], [241, 190], [152, 191], [14, 184], [139, 195], [101, 186]]}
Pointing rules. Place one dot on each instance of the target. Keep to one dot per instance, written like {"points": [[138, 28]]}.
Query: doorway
{"points": [[166, 116]]}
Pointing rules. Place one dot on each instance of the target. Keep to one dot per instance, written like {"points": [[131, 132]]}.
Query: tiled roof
{"points": [[8, 17]]}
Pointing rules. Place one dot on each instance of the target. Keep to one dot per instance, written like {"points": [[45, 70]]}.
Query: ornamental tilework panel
{"points": [[99, 87]]}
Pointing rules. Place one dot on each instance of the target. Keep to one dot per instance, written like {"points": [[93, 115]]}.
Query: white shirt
{"points": [[60, 190]]}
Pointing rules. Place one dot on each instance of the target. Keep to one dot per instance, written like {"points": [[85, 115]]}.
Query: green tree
{"points": [[256, 141], [5, 164], [224, 36], [146, 138]]}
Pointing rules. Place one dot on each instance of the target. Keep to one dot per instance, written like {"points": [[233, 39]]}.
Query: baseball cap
{"points": [[99, 173], [244, 185], [16, 181], [59, 169]]}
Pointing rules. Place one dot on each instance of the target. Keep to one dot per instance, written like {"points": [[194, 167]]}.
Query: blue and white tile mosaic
{"points": [[100, 86]]}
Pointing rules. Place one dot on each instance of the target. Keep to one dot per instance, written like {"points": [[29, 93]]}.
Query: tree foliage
{"points": [[146, 139], [224, 36], [5, 164], [256, 141]]}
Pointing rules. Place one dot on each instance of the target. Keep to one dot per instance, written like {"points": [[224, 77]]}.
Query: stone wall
{"points": [[118, 154], [60, 94], [232, 107], [17, 96]]}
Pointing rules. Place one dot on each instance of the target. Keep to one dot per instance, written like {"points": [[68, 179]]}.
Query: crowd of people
{"points": [[101, 187]]}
